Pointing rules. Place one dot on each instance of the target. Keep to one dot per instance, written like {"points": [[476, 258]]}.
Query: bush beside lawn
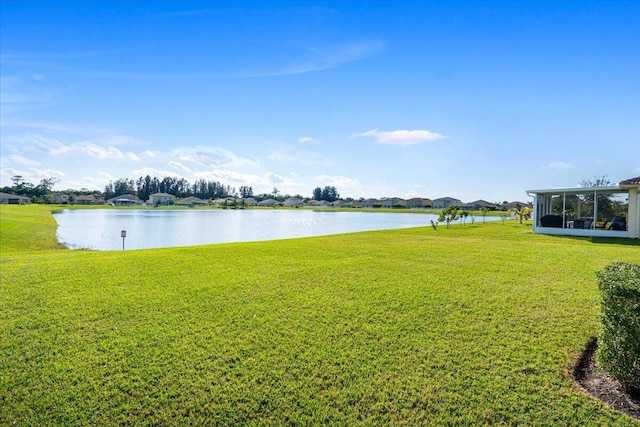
{"points": [[475, 325], [619, 346]]}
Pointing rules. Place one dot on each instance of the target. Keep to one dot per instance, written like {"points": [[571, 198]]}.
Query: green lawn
{"points": [[469, 326]]}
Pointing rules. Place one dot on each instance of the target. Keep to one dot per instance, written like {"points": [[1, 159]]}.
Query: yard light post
{"points": [[123, 234]]}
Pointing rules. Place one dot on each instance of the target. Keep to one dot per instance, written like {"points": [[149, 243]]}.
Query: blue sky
{"points": [[474, 100]]}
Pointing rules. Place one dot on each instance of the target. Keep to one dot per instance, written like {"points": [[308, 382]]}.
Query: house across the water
{"points": [[612, 211], [13, 199]]}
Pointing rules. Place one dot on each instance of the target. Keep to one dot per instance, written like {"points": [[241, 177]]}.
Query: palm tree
{"points": [[522, 213]]}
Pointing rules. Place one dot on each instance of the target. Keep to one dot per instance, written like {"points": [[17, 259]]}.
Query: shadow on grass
{"points": [[620, 241], [595, 382]]}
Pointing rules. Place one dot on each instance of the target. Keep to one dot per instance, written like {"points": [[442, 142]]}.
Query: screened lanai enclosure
{"points": [[588, 211]]}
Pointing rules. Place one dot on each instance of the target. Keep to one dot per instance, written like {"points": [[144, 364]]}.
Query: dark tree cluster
{"points": [[328, 193], [143, 187], [40, 193]]}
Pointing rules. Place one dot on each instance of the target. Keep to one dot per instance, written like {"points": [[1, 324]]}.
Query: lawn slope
{"points": [[468, 326]]}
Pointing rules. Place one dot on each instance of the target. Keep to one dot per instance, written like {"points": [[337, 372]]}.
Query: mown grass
{"points": [[468, 326]]}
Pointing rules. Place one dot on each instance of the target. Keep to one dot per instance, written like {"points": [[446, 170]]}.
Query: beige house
{"points": [[293, 202], [479, 204], [270, 202], [589, 211], [12, 199], [61, 198], [125, 200], [445, 202], [191, 201], [394, 202], [161, 199], [419, 203], [85, 199], [371, 203]]}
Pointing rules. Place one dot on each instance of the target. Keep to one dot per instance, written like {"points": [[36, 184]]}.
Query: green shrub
{"points": [[619, 342]]}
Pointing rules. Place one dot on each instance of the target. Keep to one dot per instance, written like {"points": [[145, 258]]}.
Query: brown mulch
{"points": [[595, 382]]}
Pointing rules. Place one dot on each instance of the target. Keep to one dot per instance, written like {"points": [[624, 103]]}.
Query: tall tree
{"points": [[317, 193], [246, 192], [330, 194], [123, 186]]}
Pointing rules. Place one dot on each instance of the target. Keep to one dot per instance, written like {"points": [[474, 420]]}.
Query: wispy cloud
{"points": [[560, 166], [336, 180], [45, 126], [154, 172], [210, 157], [314, 59], [307, 140], [179, 166], [307, 59], [90, 149], [286, 154], [401, 137], [20, 160]]}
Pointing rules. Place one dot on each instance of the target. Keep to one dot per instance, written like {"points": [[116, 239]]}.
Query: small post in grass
{"points": [[123, 234]]}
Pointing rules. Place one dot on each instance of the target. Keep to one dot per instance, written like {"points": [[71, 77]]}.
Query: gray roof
{"points": [[13, 196]]}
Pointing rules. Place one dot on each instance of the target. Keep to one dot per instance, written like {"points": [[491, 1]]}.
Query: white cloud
{"points": [[149, 153], [91, 182], [35, 142], [105, 175], [314, 58], [401, 137], [14, 159], [276, 179], [152, 172], [307, 140], [560, 166], [210, 157], [299, 157], [45, 173], [133, 156], [90, 149], [120, 140], [179, 166], [336, 181], [45, 126]]}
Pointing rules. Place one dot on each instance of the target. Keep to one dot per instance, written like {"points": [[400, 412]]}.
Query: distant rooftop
{"points": [[631, 181]]}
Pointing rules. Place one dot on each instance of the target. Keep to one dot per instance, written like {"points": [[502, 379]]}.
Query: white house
{"points": [[589, 211]]}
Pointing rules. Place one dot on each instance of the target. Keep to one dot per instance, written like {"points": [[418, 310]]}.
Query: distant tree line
{"points": [[143, 187]]}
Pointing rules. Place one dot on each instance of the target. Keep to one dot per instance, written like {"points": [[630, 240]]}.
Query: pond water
{"points": [[100, 229]]}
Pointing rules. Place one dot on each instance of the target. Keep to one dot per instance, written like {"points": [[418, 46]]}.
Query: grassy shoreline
{"points": [[473, 325]]}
